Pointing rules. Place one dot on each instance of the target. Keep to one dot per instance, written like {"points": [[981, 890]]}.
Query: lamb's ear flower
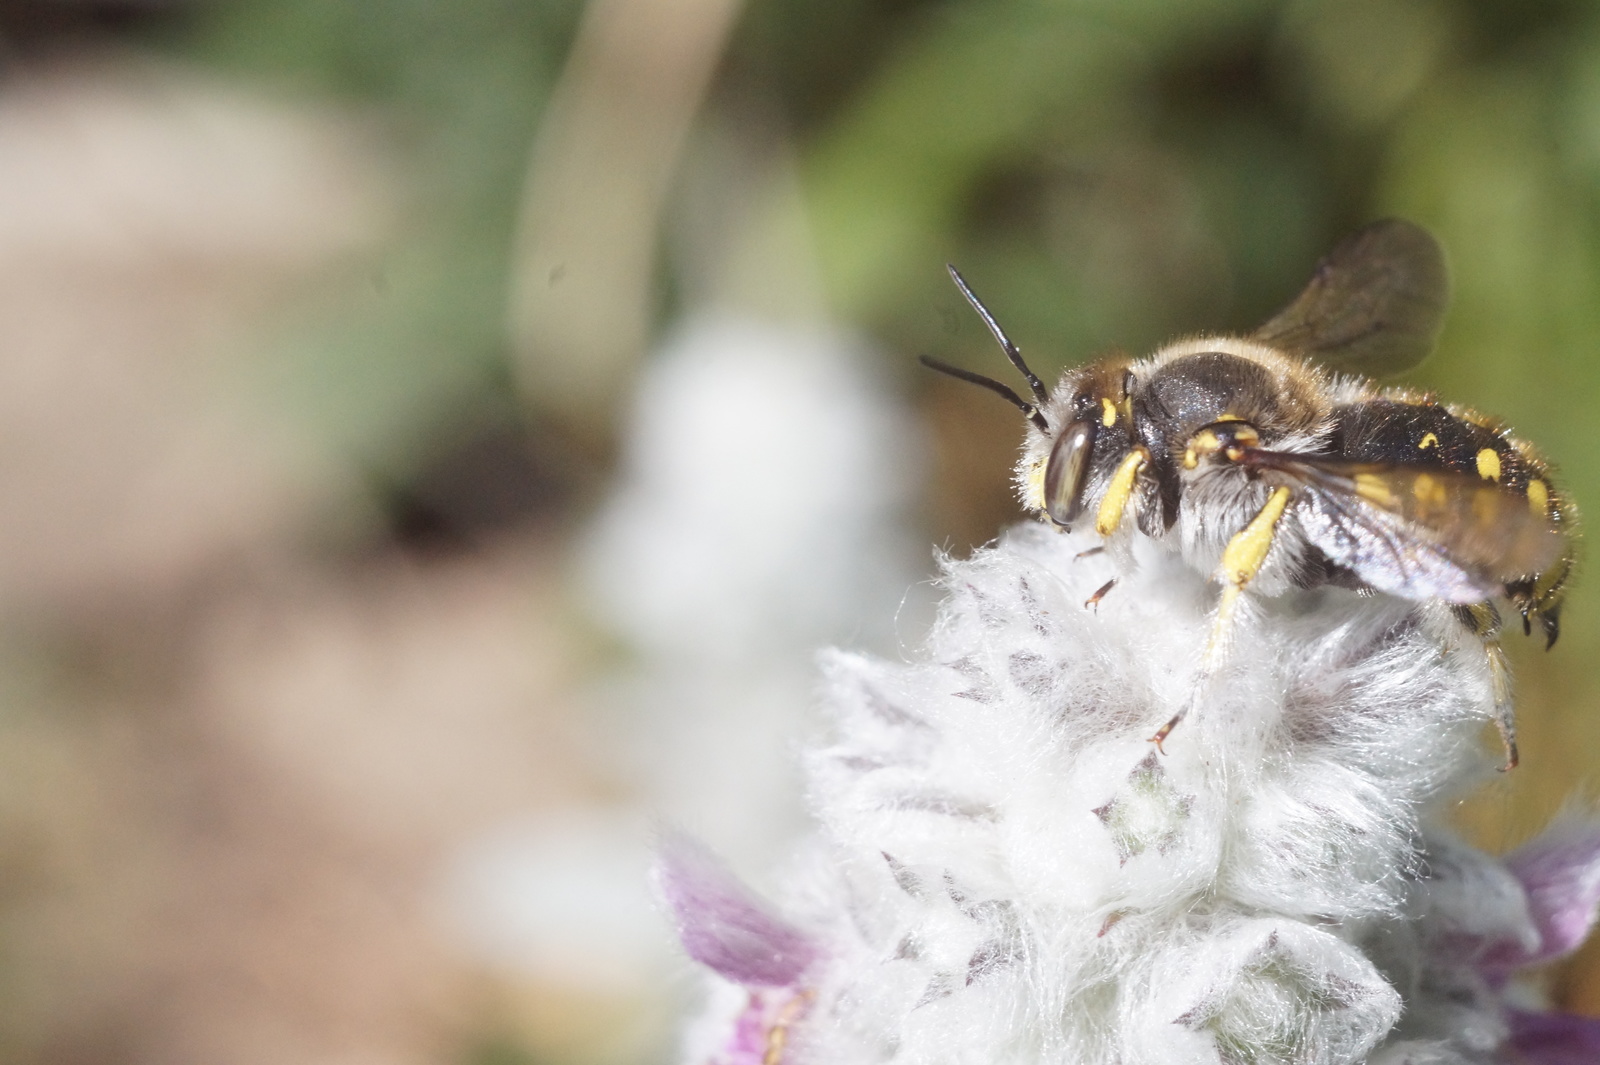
{"points": [[1008, 872], [1560, 872], [723, 925], [1554, 1038], [1243, 985]]}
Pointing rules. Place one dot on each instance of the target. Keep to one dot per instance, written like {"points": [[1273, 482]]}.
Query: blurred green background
{"points": [[321, 323]]}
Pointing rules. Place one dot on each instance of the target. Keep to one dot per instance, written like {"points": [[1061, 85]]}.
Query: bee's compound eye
{"points": [[1066, 472]]}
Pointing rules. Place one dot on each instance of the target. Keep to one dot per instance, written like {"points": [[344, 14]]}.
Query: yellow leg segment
{"points": [[1109, 517], [1242, 559]]}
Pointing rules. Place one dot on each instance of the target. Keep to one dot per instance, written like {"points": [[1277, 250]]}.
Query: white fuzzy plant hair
{"points": [[1006, 871]]}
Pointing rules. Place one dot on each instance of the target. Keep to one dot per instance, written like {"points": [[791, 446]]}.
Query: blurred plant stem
{"points": [[581, 292]]}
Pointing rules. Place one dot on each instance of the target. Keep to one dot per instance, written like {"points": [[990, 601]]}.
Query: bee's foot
{"points": [[1093, 602], [1166, 730]]}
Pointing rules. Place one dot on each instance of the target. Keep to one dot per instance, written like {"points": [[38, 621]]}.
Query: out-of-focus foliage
{"points": [[460, 87]]}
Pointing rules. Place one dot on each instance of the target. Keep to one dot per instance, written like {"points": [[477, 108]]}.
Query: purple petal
{"points": [[1560, 871], [722, 924], [1554, 1038], [747, 1043]]}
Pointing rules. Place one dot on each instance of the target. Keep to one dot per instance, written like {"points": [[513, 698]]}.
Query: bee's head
{"points": [[1088, 431]]}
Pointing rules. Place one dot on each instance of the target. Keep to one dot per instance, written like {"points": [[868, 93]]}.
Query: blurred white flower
{"points": [[758, 512], [759, 509]]}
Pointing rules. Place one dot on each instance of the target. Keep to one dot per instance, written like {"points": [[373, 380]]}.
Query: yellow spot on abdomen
{"points": [[1108, 412], [1374, 489], [1489, 464], [1428, 440], [1539, 497], [1430, 491], [1486, 507]]}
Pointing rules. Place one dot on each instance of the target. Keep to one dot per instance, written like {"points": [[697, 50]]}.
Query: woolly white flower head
{"points": [[1007, 871], [1140, 907]]}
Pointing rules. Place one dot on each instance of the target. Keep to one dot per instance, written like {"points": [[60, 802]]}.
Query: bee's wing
{"points": [[1373, 306], [1417, 531]]}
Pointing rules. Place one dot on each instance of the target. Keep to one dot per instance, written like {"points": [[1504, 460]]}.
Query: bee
{"points": [[1273, 462]]}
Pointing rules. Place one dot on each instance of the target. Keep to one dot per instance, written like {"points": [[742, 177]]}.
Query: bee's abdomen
{"points": [[1424, 433], [1396, 431]]}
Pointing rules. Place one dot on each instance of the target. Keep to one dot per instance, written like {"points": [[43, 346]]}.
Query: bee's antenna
{"points": [[1040, 393], [1002, 390]]}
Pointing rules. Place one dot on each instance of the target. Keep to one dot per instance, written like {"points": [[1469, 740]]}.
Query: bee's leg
{"points": [[1483, 621], [1550, 621], [1505, 719], [1120, 489], [1094, 600], [1241, 561], [1544, 600]]}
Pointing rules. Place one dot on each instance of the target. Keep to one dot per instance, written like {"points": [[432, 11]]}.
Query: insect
{"points": [[1273, 462]]}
